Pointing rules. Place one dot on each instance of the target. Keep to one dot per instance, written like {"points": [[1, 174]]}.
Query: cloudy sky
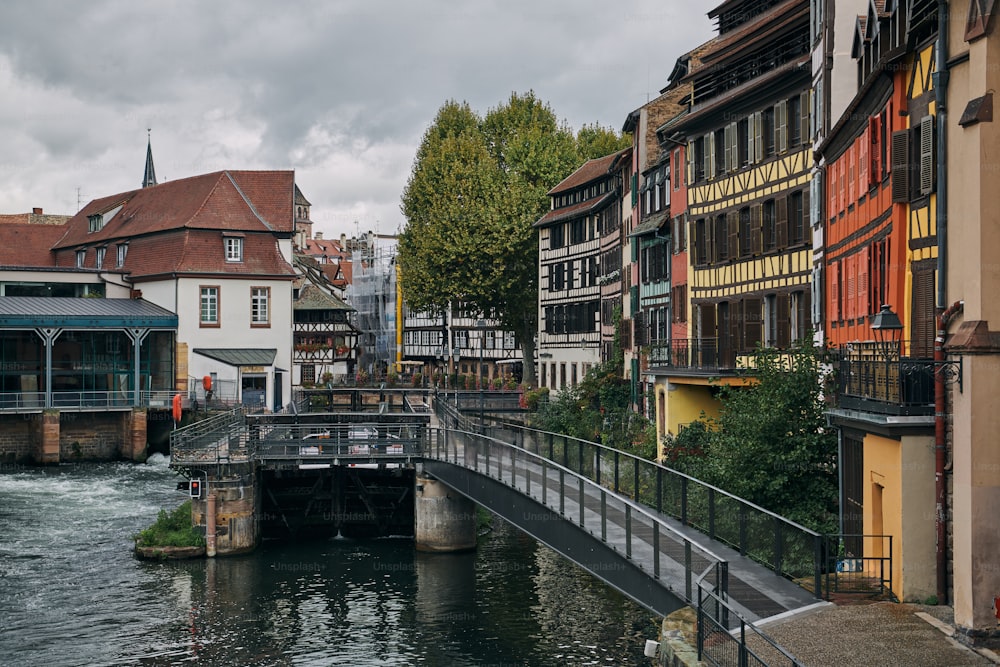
{"points": [[339, 90]]}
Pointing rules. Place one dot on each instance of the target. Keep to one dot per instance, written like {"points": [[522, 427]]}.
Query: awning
{"points": [[247, 356]]}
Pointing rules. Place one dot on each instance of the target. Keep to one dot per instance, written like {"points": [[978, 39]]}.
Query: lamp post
{"points": [[887, 329]]}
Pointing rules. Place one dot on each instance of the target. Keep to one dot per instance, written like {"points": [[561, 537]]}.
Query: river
{"points": [[72, 594]]}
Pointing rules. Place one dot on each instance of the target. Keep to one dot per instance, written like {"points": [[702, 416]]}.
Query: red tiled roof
{"points": [[248, 201], [23, 244], [573, 211], [591, 170], [190, 251]]}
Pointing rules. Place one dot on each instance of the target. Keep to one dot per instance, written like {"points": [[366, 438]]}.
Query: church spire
{"points": [[149, 178]]}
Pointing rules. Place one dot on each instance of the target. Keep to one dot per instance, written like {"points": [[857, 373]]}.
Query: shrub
{"points": [[172, 529]]}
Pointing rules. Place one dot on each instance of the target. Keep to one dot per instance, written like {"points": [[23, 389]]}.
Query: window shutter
{"points": [[730, 160], [815, 198], [834, 287], [864, 305], [710, 155], [756, 215], [926, 155], [733, 224], [875, 150], [781, 126], [806, 216], [804, 116], [851, 280], [781, 217], [852, 175], [689, 155], [757, 137], [784, 322], [842, 182], [864, 181], [900, 165], [832, 193], [709, 241], [922, 323], [693, 241], [816, 301]]}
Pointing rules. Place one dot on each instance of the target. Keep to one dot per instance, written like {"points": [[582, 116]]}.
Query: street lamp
{"points": [[887, 329]]}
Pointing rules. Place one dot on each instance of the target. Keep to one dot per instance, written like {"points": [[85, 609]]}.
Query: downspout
{"points": [[944, 316]]}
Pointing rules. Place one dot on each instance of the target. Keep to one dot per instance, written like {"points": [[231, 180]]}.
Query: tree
{"points": [[474, 193], [594, 141], [770, 443]]}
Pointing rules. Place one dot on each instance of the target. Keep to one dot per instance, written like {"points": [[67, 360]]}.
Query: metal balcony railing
{"points": [[869, 382], [708, 354]]}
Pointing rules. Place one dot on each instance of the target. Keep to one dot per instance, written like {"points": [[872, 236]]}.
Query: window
{"points": [[794, 122], [767, 131], [99, 258], [700, 242], [95, 223], [744, 232], [796, 218], [769, 224], [722, 251], [234, 249], [122, 252], [697, 148], [556, 237], [210, 306], [81, 257], [677, 169], [308, 374], [578, 231], [260, 310], [743, 150]]}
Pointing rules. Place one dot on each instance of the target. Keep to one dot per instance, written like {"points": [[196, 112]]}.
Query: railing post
{"points": [[581, 502], [743, 644], [818, 566], [579, 461], [684, 501], [701, 614], [711, 513], [562, 492], [551, 446], [604, 516], [616, 471], [688, 575], [659, 489], [656, 550], [527, 475], [545, 481], [628, 531], [778, 546], [597, 465], [743, 529], [635, 478]]}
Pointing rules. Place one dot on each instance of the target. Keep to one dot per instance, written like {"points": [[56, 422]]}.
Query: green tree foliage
{"points": [[770, 443], [476, 188], [599, 409], [594, 141]]}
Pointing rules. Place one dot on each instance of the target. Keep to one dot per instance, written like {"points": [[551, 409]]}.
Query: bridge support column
{"points": [[235, 524], [444, 520]]}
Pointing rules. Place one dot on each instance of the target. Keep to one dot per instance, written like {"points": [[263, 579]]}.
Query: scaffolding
{"points": [[372, 292]]}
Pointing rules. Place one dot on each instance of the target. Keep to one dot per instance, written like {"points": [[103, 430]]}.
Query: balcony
{"points": [[867, 382], [695, 355]]}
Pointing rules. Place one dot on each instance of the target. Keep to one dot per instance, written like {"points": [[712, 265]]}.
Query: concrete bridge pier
{"points": [[235, 499], [444, 520]]}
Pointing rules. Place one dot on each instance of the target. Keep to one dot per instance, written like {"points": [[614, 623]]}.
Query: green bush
{"points": [[171, 529]]}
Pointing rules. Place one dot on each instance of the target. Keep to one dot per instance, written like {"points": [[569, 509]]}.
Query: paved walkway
{"points": [[878, 633]]}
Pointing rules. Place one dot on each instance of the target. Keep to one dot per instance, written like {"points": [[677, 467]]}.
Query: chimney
{"points": [[36, 211], [318, 236]]}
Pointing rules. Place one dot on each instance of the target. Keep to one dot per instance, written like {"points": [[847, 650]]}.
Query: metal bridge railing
{"points": [[654, 545], [783, 546], [215, 440]]}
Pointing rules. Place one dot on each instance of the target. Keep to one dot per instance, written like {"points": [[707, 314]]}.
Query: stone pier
{"points": [[444, 520], [236, 500]]}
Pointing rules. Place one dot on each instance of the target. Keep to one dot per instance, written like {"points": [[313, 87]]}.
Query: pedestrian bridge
{"points": [[662, 538]]}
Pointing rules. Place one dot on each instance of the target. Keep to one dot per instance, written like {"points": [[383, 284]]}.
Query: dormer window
{"points": [[96, 222], [234, 248]]}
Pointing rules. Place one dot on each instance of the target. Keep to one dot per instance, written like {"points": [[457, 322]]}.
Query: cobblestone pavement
{"points": [[879, 633]]}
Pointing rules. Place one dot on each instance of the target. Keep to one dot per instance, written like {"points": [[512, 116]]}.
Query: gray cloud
{"points": [[339, 90]]}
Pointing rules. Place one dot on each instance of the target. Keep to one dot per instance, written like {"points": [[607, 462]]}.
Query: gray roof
{"points": [[245, 356], [312, 297], [58, 311], [650, 224]]}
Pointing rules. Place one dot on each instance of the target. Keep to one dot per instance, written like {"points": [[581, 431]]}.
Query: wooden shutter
{"points": [[833, 284], [689, 155], [781, 126], [852, 175], [710, 248], [756, 137], [693, 241], [710, 155], [851, 280], [875, 150], [733, 229], [783, 321], [864, 182], [922, 322], [864, 306], [833, 206], [926, 155], [781, 224], [804, 117], [900, 166], [755, 240], [753, 333], [730, 164]]}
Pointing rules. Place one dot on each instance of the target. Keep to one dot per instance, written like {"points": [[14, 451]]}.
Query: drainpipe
{"points": [[944, 316]]}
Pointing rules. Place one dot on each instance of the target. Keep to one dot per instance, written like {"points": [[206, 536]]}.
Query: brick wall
{"points": [[16, 438], [90, 436]]}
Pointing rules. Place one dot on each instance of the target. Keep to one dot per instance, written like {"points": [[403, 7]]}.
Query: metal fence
{"points": [[217, 440]]}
